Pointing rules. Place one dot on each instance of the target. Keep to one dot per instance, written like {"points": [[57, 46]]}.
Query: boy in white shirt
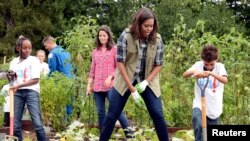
{"points": [[208, 67], [26, 88]]}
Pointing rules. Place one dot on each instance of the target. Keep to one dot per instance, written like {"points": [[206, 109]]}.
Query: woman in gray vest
{"points": [[139, 60]]}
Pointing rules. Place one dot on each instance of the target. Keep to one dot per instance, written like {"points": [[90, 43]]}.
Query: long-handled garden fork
{"points": [[11, 136], [202, 83]]}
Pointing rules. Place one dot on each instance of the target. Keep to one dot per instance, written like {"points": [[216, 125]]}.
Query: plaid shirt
{"points": [[102, 66], [141, 63]]}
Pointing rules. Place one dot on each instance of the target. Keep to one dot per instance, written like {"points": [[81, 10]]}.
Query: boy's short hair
{"points": [[48, 38], [209, 53]]}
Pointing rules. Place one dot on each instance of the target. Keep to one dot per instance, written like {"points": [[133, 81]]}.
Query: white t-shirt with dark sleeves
{"points": [[213, 92], [26, 70]]}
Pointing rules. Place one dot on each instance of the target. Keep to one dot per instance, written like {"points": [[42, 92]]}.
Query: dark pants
{"points": [[117, 103], [100, 105], [32, 99], [6, 119]]}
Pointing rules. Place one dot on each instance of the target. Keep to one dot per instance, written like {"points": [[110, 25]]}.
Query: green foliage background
{"points": [[38, 18]]}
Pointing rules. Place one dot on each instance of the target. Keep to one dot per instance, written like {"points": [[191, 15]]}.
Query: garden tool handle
{"points": [[204, 114], [203, 106], [203, 100], [11, 75], [11, 95]]}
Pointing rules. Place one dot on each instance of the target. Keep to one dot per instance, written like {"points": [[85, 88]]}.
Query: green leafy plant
{"points": [[1, 109], [185, 135], [56, 93], [79, 41], [2, 100]]}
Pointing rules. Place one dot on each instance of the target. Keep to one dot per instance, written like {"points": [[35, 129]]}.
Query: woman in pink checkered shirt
{"points": [[101, 76]]}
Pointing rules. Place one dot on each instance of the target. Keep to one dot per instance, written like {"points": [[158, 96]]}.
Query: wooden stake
{"points": [[4, 60]]}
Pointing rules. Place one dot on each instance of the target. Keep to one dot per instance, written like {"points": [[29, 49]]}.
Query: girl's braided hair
{"points": [[19, 42]]}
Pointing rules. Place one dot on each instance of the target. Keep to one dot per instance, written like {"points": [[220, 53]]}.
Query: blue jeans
{"points": [[69, 111], [32, 99], [100, 105], [197, 123], [117, 103]]}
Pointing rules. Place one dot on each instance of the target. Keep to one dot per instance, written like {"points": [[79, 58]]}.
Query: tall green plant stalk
{"points": [[80, 43]]}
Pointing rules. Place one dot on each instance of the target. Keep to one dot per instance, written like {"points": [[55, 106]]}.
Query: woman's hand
{"points": [[108, 81], [89, 89]]}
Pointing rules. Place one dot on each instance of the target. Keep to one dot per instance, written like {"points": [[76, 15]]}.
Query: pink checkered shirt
{"points": [[102, 66]]}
